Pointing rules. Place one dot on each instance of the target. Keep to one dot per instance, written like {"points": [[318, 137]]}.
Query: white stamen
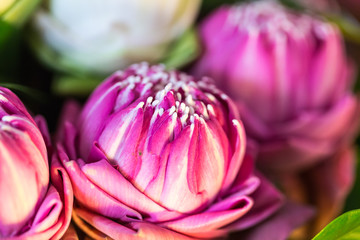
{"points": [[224, 96], [210, 96], [149, 100], [140, 105], [172, 110], [131, 86], [210, 108], [189, 100], [187, 110], [192, 110], [178, 95], [192, 119], [183, 119], [146, 87], [168, 87], [182, 107], [155, 103], [161, 112]]}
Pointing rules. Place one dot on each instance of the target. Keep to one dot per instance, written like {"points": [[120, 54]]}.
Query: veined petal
{"points": [[113, 183], [199, 225], [88, 194]]}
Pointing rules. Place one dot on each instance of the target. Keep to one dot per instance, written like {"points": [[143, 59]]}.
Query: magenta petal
{"points": [[245, 182], [325, 81], [89, 130], [154, 232], [221, 214], [279, 225], [267, 200], [90, 195], [51, 220], [133, 231], [69, 114], [319, 125], [46, 221], [237, 159], [42, 125], [48, 214], [275, 155], [104, 225], [61, 181], [112, 182]]}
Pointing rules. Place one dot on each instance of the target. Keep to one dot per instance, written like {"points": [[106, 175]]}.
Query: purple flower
{"points": [[30, 207], [154, 154], [289, 76]]}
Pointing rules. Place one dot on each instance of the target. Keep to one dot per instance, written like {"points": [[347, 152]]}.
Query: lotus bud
{"points": [[155, 154], [30, 207], [290, 78]]}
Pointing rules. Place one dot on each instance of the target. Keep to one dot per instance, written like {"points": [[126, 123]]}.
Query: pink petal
{"points": [[113, 183], [238, 139], [69, 113], [209, 222], [195, 179], [279, 225], [90, 130], [61, 181], [106, 226], [91, 196], [267, 200], [133, 231]]}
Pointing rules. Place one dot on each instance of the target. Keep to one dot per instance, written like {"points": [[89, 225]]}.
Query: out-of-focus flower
{"points": [[156, 155], [30, 207], [101, 37], [289, 76]]}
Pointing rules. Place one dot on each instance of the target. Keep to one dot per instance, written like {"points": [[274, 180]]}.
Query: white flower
{"points": [[102, 36]]}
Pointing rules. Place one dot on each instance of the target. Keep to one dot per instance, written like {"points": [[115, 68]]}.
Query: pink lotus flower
{"points": [[290, 78], [155, 155], [30, 207]]}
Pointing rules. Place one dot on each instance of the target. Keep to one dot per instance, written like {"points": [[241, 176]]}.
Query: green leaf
{"points": [[183, 51], [345, 227]]}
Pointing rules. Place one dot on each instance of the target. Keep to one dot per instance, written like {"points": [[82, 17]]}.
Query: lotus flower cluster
{"points": [[154, 153], [290, 78], [30, 207], [101, 37]]}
